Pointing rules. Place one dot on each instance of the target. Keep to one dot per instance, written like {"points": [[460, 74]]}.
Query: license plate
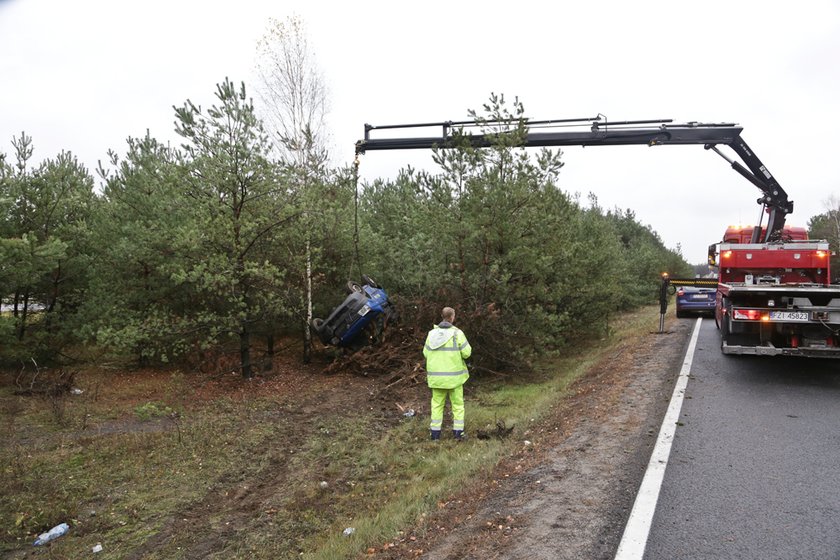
{"points": [[364, 310], [789, 316], [700, 296]]}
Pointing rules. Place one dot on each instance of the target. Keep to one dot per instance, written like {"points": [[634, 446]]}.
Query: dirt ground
{"points": [[566, 494], [569, 492]]}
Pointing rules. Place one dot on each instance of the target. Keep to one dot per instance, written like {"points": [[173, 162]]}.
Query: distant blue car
{"points": [[360, 319], [695, 300]]}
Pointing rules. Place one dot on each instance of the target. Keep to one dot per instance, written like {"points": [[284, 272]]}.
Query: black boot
{"points": [[435, 434], [459, 434]]}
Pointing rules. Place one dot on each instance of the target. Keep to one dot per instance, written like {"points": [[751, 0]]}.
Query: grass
{"points": [[118, 486], [244, 469]]}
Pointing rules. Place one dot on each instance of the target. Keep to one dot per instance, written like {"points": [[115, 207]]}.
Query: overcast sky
{"points": [[85, 75]]}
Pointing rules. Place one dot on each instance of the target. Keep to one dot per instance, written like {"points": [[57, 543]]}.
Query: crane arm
{"points": [[594, 132]]}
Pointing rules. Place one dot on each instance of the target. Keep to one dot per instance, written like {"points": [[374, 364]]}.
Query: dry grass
{"points": [[173, 465]]}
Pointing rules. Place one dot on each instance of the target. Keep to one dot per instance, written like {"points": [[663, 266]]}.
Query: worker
{"points": [[445, 351]]}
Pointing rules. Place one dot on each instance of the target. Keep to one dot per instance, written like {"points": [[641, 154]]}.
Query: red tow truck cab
{"points": [[775, 298]]}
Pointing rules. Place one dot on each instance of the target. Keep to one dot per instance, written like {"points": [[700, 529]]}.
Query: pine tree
{"points": [[242, 205], [44, 258]]}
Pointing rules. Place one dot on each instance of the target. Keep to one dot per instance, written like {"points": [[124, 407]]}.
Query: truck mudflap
{"points": [[768, 349]]}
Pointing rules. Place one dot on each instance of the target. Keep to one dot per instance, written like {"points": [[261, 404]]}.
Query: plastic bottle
{"points": [[53, 533]]}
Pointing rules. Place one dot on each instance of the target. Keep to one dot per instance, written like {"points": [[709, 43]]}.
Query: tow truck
{"points": [[775, 298], [774, 295]]}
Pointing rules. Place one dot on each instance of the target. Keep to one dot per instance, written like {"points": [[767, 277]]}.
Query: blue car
{"points": [[360, 319], [695, 300]]}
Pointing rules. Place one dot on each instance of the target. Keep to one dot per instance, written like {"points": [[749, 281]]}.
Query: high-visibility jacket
{"points": [[445, 351]]}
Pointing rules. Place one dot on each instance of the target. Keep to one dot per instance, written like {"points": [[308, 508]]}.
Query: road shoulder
{"points": [[570, 491]]}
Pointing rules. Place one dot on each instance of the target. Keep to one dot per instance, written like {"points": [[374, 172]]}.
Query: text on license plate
{"points": [[700, 296], [364, 310], [788, 315]]}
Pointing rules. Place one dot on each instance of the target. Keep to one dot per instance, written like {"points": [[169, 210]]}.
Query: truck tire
{"points": [[723, 307], [725, 326], [353, 287]]}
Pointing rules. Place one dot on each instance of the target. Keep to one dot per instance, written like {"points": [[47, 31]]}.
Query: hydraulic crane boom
{"points": [[594, 132]]}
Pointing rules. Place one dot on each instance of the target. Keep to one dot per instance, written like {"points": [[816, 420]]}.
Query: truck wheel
{"points": [[369, 281], [353, 287], [723, 316], [725, 328]]}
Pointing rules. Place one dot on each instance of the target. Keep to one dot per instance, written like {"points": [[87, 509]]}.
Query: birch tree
{"points": [[294, 99]]}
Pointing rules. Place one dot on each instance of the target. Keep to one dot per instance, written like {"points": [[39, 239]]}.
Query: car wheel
{"points": [[316, 324], [353, 287], [369, 281], [680, 314]]}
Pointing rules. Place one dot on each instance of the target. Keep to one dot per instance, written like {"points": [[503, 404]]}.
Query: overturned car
{"points": [[360, 319]]}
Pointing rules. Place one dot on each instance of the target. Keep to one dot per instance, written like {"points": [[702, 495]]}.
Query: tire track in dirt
{"points": [[232, 504]]}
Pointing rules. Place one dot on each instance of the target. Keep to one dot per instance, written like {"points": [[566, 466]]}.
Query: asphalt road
{"points": [[754, 470]]}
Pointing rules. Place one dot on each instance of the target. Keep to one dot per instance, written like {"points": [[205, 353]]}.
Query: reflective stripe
{"points": [[464, 345], [443, 349], [457, 423], [446, 372]]}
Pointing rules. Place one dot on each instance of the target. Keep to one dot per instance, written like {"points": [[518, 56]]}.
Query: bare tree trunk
{"points": [[24, 312], [245, 351], [307, 333], [462, 266], [245, 324]]}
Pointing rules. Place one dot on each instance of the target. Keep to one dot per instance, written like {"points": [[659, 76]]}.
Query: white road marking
{"points": [[634, 540]]}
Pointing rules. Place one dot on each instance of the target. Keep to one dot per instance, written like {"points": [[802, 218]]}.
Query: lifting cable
{"points": [[356, 259]]}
